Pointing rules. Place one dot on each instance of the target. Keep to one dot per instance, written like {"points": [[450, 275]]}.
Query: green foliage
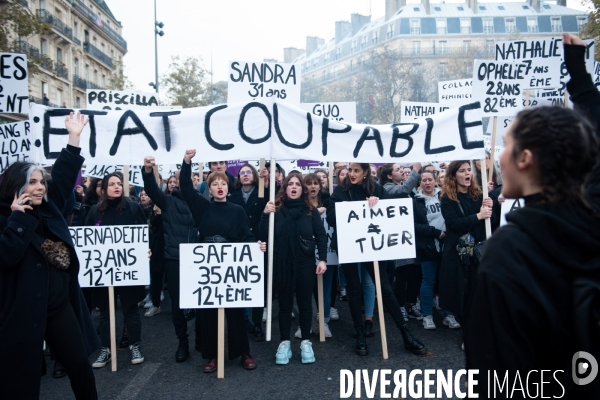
{"points": [[118, 80], [186, 84], [592, 28]]}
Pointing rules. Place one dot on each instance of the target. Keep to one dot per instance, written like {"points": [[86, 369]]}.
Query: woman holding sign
{"points": [[360, 185], [298, 229], [40, 295], [220, 222]]}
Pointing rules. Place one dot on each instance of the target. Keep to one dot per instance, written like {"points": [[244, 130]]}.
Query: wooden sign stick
{"points": [[113, 336], [330, 177], [270, 246], [384, 347], [201, 170], [484, 178], [321, 308], [221, 344], [566, 98], [261, 181], [527, 105], [156, 175]]}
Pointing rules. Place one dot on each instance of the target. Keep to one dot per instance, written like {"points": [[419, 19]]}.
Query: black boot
{"points": [[59, 371], [183, 351], [369, 328], [259, 335], [361, 342], [410, 343]]}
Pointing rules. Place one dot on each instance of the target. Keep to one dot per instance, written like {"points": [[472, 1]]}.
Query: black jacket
{"points": [[523, 309], [254, 207], [178, 223], [425, 233], [24, 275]]}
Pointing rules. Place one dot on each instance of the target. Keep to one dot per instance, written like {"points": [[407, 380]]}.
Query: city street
{"points": [[160, 377]]}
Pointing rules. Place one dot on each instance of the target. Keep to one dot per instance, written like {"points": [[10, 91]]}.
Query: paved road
{"points": [[160, 377]]}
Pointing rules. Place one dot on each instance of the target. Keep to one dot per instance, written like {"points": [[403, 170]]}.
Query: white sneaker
{"points": [[327, 331], [143, 302], [436, 303], [450, 322], [333, 314], [264, 319], [148, 305], [418, 304], [152, 311], [136, 354], [428, 322], [298, 334], [103, 358]]}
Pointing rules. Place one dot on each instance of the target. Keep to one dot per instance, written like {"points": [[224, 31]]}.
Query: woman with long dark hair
{"points": [[360, 185], [90, 199], [114, 208], [298, 229], [537, 298], [40, 294]]}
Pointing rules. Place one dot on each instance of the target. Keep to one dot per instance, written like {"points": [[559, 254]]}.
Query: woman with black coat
{"points": [[114, 208], [298, 229], [464, 211], [40, 297], [360, 185], [220, 222]]}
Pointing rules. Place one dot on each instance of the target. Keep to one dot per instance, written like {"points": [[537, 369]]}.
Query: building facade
{"points": [[85, 46]]}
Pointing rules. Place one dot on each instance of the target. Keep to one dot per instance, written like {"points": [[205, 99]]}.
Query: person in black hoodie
{"points": [[360, 185], [114, 208], [537, 298]]}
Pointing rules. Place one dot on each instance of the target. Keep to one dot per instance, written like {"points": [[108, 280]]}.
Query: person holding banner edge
{"points": [[220, 222], [359, 185], [41, 297], [299, 229]]}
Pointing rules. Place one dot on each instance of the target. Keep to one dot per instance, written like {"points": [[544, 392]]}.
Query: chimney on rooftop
{"points": [[312, 44], [472, 4], [425, 4], [561, 3], [392, 6], [342, 29], [537, 4], [358, 21], [291, 53]]}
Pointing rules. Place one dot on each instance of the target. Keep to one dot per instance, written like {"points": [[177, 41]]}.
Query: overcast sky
{"points": [[227, 30]]}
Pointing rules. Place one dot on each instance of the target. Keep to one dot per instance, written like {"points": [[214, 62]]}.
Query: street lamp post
{"points": [[157, 33]]}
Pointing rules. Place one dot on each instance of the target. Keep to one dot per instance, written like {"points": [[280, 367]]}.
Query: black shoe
{"points": [[183, 352], [249, 326], [410, 343], [369, 328], [189, 314], [361, 342], [259, 335], [59, 371], [124, 343]]}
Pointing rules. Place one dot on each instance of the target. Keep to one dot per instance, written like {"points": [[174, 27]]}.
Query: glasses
{"points": [[405, 173], [245, 173]]}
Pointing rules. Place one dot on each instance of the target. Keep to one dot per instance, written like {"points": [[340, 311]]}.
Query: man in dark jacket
{"points": [[217, 166]]}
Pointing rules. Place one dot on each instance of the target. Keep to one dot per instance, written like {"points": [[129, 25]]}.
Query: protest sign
{"points": [[255, 130], [342, 111], [501, 128], [411, 110], [250, 81], [384, 232], [15, 143], [221, 275], [508, 206], [99, 99], [112, 255], [99, 171], [167, 170], [332, 258], [457, 92], [14, 89], [498, 86]]}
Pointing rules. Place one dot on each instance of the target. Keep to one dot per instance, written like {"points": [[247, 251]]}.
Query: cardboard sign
{"points": [[332, 257], [384, 232], [501, 128], [15, 144], [342, 111], [498, 86], [255, 130], [457, 92], [411, 110], [250, 81], [508, 206], [100, 171], [14, 86], [221, 275], [98, 99], [112, 255]]}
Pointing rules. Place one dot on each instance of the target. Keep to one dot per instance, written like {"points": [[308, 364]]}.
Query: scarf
{"points": [[288, 245], [246, 194]]}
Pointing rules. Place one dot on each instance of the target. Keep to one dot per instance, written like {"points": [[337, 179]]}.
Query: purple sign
{"points": [[233, 166], [311, 163]]}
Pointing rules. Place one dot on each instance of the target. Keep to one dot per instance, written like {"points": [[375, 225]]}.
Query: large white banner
{"points": [[221, 275], [254, 81], [112, 255], [256, 130], [384, 232], [15, 143], [508, 206], [411, 110], [14, 89], [99, 99], [341, 111], [457, 92]]}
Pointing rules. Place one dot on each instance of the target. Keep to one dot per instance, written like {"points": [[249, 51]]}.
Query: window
{"points": [[443, 69], [415, 26], [440, 25], [501, 8], [103, 80], [338, 53], [510, 24], [77, 102], [76, 66], [465, 25], [95, 77], [488, 26], [363, 43], [42, 4], [437, 8], [59, 55], [45, 88], [489, 46], [532, 24], [95, 42], [316, 62], [581, 21], [87, 72], [525, 7], [112, 53], [460, 8], [390, 31], [546, 6], [482, 8], [416, 9], [354, 45], [375, 38], [102, 48], [443, 47], [326, 58], [44, 47], [59, 95], [466, 46], [75, 30], [416, 47], [556, 24]]}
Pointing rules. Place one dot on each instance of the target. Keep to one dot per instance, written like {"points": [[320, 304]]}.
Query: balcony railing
{"points": [[97, 53], [61, 70], [56, 23], [33, 99], [46, 64], [82, 8], [28, 49], [84, 84], [24, 3], [77, 41]]}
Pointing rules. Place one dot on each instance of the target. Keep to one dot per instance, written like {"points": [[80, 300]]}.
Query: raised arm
{"points": [[151, 188], [196, 202]]}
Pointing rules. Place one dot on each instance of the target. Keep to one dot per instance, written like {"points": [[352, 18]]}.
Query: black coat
{"points": [[177, 220], [425, 233], [254, 207], [24, 275]]}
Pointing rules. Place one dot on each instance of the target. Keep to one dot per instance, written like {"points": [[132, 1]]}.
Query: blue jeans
{"points": [[429, 269], [341, 276], [368, 287]]}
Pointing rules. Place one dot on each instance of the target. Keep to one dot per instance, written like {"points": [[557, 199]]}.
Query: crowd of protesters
{"points": [[515, 295]]}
